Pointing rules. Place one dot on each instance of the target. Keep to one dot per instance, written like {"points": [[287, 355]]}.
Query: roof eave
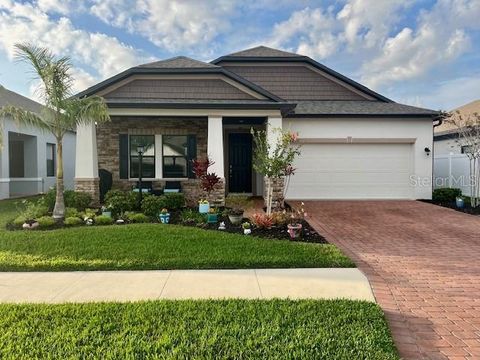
{"points": [[354, 115], [285, 108]]}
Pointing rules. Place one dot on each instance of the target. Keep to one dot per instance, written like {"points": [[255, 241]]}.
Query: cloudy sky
{"points": [[420, 52]]}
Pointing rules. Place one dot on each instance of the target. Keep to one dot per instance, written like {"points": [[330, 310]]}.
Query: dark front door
{"points": [[240, 163]]}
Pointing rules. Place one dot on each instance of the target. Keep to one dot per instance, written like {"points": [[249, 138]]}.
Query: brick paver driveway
{"points": [[423, 262]]}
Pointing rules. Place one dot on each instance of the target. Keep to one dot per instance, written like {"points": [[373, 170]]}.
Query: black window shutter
{"points": [[123, 152], [191, 154]]}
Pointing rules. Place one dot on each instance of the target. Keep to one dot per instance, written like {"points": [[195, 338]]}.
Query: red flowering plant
{"points": [[207, 180]]}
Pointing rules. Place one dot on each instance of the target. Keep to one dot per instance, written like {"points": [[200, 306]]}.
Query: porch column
{"points": [[215, 145], [274, 123], [216, 154], [86, 161]]}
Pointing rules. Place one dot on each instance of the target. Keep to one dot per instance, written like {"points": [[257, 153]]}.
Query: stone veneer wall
{"points": [[108, 148], [277, 194], [90, 186]]}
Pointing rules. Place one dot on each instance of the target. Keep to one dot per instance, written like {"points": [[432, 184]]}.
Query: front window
{"points": [[175, 151], [148, 158], [51, 159]]}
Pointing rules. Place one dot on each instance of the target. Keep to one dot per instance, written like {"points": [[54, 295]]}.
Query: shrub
{"points": [[152, 205], [121, 201], [262, 221], [74, 199], [46, 222], [445, 195], [72, 212], [77, 199], [88, 213], [174, 201], [137, 218], [73, 221], [193, 217], [19, 221], [103, 220], [33, 209], [280, 218]]}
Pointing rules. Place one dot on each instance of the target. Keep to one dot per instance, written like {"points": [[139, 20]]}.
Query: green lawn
{"points": [[151, 246], [221, 329]]}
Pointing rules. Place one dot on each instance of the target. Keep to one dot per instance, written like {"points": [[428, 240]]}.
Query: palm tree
{"points": [[62, 111]]}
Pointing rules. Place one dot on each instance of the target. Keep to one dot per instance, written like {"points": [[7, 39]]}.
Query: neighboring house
{"points": [[356, 144], [28, 156], [451, 165]]}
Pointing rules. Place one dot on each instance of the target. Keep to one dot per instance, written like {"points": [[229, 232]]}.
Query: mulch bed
{"points": [[467, 209], [309, 235]]}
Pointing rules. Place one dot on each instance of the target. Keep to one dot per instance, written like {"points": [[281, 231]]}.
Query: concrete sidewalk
{"points": [[88, 286]]}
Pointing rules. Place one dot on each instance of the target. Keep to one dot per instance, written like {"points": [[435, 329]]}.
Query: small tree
{"points": [[207, 180], [274, 162], [468, 127], [61, 112]]}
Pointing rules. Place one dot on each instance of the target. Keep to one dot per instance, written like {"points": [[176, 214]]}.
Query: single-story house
{"points": [[28, 156], [451, 164], [356, 143]]}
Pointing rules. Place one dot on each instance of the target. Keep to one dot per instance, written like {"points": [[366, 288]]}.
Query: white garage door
{"points": [[353, 171]]}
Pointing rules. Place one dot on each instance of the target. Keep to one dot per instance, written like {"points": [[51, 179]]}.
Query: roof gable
{"points": [[265, 54], [263, 51], [178, 62]]}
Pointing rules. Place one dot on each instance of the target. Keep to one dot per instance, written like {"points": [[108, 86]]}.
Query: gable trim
{"points": [[305, 60]]}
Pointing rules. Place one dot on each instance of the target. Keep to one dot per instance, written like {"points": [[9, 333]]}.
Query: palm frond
{"points": [[23, 117], [54, 73], [86, 110]]}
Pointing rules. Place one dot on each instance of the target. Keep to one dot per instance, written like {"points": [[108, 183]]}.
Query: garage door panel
{"points": [[350, 171]]}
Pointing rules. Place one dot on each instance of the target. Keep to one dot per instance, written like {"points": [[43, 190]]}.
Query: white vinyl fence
{"points": [[452, 171]]}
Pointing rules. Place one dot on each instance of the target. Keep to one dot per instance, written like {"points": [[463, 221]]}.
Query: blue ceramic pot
{"points": [[460, 203], [203, 208], [164, 218], [212, 218]]}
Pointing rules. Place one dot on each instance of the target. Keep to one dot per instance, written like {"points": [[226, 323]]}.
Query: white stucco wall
{"points": [[419, 129], [447, 146], [36, 180]]}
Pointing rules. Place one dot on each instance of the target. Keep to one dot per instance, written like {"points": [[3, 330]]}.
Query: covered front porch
{"points": [[172, 139]]}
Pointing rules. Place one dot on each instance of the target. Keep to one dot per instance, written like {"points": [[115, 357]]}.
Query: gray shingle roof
{"points": [[358, 108], [263, 51], [178, 62], [8, 97]]}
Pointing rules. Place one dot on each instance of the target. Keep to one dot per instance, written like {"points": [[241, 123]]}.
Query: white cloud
{"points": [[58, 6], [172, 25], [104, 54], [439, 38], [315, 29]]}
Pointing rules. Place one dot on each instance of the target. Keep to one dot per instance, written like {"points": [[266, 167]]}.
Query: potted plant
{"points": [[235, 216], [294, 225], [203, 206], [164, 216], [247, 228], [206, 181], [106, 211], [460, 202], [212, 216]]}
